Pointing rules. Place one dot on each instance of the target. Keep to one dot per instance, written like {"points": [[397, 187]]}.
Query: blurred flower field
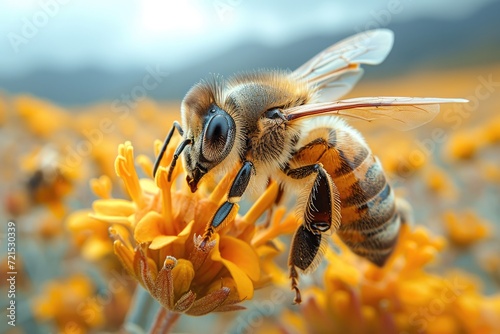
{"points": [[101, 242]]}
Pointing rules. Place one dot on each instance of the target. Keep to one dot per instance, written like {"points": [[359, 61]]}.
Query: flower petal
{"points": [[262, 204], [240, 275], [161, 241], [164, 284], [112, 219], [113, 207], [241, 254], [149, 227], [144, 268], [94, 249], [124, 167], [81, 221], [209, 302], [102, 186], [120, 232], [183, 275], [185, 302], [125, 255]]}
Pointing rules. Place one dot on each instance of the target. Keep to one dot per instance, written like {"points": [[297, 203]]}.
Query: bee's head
{"points": [[210, 130]]}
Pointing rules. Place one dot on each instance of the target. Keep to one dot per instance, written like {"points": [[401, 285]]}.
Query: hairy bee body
{"points": [[369, 219], [286, 126], [246, 97], [270, 142]]}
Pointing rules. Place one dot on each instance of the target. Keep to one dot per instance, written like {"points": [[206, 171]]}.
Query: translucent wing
{"points": [[403, 113], [337, 69]]}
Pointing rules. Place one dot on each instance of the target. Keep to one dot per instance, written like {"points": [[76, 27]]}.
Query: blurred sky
{"points": [[117, 34]]}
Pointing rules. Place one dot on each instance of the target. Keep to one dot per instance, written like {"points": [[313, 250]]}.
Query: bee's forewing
{"points": [[403, 113], [337, 69]]}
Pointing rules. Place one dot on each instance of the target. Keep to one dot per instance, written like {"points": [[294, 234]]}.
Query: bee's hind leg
{"points": [[321, 215]]}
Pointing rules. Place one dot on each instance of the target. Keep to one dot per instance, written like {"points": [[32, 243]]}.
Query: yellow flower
{"points": [[463, 145], [491, 131], [490, 262], [158, 238], [69, 304], [465, 229], [41, 117], [90, 235], [439, 182], [400, 297], [47, 183]]}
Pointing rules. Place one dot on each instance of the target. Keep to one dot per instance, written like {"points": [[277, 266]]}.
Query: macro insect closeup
{"points": [[290, 127]]}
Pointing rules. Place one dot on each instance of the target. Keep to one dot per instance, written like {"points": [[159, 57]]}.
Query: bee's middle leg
{"points": [[321, 215]]}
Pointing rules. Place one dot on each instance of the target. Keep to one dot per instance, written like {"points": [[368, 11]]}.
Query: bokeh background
{"points": [[79, 77]]}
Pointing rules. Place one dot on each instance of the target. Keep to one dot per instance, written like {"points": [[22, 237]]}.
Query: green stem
{"points": [[164, 321]]}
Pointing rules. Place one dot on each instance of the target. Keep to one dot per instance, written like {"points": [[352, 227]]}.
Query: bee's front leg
{"points": [[237, 189], [321, 215]]}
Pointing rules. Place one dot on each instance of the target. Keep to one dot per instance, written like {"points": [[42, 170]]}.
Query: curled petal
{"points": [[144, 268], [164, 284], [199, 254], [183, 275], [210, 302], [227, 282], [185, 302]]}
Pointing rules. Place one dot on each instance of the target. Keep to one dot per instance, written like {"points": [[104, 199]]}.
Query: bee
{"points": [[289, 127]]}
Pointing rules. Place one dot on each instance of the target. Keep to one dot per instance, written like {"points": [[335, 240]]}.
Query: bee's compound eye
{"points": [[217, 129], [215, 137]]}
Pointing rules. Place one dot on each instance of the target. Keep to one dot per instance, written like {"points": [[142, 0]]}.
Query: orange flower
{"points": [[90, 235], [463, 145], [439, 182], [400, 297], [157, 237], [465, 229], [41, 117], [70, 305], [47, 182]]}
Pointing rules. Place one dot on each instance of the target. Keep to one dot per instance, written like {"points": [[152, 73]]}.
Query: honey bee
{"points": [[288, 126]]}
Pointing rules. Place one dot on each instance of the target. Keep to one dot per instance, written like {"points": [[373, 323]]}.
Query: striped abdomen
{"points": [[370, 221]]}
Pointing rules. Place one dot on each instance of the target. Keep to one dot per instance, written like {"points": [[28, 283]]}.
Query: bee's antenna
{"points": [[177, 153], [177, 126]]}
